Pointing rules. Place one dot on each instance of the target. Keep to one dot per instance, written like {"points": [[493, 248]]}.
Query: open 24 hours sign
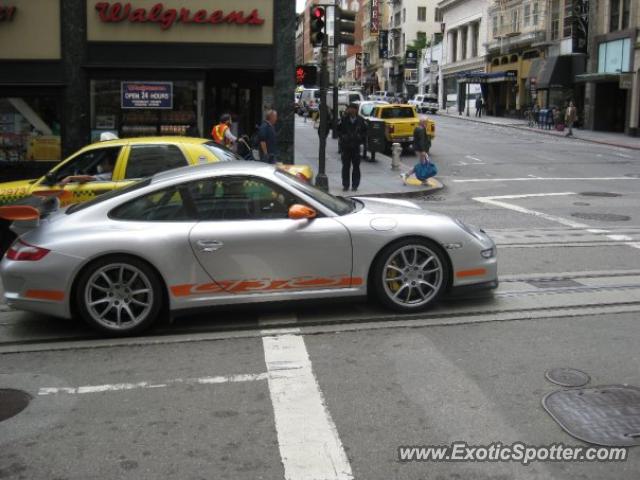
{"points": [[146, 95]]}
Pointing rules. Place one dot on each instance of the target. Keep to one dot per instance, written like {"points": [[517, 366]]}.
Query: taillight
{"points": [[23, 251], [390, 128]]}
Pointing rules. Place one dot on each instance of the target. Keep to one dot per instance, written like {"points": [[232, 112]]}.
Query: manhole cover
{"points": [[559, 283], [608, 415], [600, 194], [12, 402], [602, 217], [567, 377]]}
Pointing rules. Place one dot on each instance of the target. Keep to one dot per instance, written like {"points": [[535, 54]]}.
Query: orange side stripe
{"points": [[181, 290], [355, 281], [53, 295], [471, 273]]}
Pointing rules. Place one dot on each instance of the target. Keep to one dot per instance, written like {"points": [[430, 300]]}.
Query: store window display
{"points": [[176, 115], [29, 129]]}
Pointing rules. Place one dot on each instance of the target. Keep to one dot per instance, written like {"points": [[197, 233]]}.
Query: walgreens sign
{"points": [[166, 17]]}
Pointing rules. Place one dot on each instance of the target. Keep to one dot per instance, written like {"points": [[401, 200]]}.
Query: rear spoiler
{"points": [[26, 214]]}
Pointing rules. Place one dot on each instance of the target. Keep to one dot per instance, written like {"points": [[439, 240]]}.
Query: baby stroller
{"points": [[244, 148]]}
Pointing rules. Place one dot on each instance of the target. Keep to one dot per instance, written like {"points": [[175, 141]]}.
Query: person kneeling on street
{"points": [[423, 170]]}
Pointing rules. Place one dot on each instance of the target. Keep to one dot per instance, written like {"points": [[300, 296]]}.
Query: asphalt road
{"points": [[331, 390]]}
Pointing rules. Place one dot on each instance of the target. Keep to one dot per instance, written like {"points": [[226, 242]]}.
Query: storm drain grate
{"points": [[607, 415], [12, 402], [567, 377], [558, 283], [602, 217]]}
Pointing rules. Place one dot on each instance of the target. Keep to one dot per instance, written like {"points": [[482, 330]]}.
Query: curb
{"points": [[435, 185], [540, 131]]}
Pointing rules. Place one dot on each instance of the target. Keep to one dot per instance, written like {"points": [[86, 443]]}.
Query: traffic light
{"points": [[317, 26], [345, 27]]}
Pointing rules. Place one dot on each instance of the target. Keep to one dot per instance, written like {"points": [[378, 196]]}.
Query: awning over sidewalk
{"points": [[484, 77], [598, 77], [557, 72]]}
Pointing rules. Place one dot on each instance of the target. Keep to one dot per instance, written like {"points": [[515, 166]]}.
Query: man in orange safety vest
{"points": [[221, 133]]}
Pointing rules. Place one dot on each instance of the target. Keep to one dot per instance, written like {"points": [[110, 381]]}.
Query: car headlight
{"points": [[488, 253]]}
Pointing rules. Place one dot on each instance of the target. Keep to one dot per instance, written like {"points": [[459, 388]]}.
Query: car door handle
{"points": [[209, 245]]}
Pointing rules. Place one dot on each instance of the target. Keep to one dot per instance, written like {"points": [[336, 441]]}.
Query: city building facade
{"points": [[73, 69]]}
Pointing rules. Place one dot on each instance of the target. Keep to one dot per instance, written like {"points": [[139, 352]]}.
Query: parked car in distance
{"points": [[425, 103], [400, 120], [382, 95]]}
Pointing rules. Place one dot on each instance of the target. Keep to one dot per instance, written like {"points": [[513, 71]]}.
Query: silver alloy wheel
{"points": [[118, 296], [412, 275]]}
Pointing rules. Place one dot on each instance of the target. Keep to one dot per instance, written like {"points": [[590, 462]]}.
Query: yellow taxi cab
{"points": [[130, 159], [400, 121]]}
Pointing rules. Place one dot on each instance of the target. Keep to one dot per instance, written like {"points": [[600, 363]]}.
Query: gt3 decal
{"points": [[242, 286]]}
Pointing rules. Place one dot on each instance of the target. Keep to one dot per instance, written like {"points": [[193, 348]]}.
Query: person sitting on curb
{"points": [[423, 170]]}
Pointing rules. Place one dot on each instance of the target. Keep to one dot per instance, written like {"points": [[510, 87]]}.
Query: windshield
{"points": [[338, 205], [223, 154], [398, 112], [76, 207]]}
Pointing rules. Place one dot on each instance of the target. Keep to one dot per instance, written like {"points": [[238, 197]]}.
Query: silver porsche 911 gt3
{"points": [[235, 232]]}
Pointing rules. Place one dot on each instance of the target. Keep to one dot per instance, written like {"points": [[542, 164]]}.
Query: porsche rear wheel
{"points": [[119, 295], [410, 275]]}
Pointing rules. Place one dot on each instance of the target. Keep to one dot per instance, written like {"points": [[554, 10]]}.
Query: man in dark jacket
{"points": [[352, 134], [421, 139]]}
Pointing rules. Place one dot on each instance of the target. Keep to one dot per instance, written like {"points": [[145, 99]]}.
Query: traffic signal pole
{"points": [[322, 180]]}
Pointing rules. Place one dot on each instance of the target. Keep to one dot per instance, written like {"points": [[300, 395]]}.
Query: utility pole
{"points": [[336, 51]]}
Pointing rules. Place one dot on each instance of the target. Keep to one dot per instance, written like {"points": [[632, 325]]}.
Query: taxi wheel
{"points": [[410, 275], [119, 295]]}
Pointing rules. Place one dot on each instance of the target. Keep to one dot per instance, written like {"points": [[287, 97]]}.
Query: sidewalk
{"points": [[605, 138], [377, 177]]}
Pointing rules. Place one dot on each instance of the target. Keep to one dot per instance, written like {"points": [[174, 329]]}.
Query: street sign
{"points": [[374, 23], [383, 44], [411, 59]]}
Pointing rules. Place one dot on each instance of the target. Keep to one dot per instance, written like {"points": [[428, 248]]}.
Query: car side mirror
{"points": [[299, 212], [50, 178]]}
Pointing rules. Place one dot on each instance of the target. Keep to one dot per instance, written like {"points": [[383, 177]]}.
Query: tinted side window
{"points": [[165, 205], [240, 198], [147, 160]]}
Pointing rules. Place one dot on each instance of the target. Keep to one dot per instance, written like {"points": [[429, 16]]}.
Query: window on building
{"points": [[613, 57], [475, 31], [526, 18], [402, 47], [465, 34], [437, 15], [404, 15], [619, 15], [555, 19], [568, 18], [535, 14], [494, 26], [515, 20], [397, 19], [422, 36], [454, 46], [422, 14]]}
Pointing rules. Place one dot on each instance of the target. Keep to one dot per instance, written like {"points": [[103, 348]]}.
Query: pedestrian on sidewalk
{"points": [[570, 116], [479, 105], [421, 139], [267, 140], [351, 135]]}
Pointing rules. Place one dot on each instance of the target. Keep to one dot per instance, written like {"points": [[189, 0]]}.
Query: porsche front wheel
{"points": [[410, 275]]}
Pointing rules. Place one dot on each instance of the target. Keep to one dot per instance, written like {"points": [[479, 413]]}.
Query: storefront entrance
{"points": [[610, 107]]}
